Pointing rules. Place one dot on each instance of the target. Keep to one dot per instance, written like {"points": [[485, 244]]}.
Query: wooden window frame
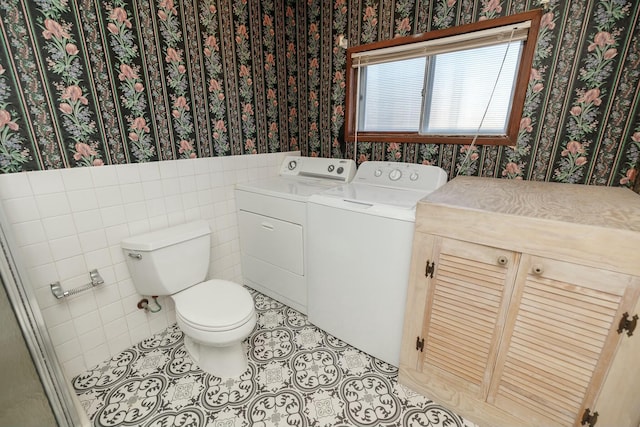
{"points": [[522, 80]]}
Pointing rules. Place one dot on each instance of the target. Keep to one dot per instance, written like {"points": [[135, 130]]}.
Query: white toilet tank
{"points": [[167, 261]]}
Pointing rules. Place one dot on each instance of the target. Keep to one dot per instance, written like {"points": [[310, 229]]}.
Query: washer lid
{"points": [[294, 188], [214, 305], [397, 203]]}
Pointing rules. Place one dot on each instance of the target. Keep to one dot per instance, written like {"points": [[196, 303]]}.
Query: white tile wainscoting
{"points": [[66, 222]]}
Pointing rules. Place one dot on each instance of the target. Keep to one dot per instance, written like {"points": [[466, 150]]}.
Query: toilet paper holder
{"points": [[59, 293]]}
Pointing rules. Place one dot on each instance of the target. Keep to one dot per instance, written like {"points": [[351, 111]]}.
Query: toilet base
{"points": [[223, 362]]}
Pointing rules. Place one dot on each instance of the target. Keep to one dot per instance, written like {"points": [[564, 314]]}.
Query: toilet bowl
{"points": [[216, 316]]}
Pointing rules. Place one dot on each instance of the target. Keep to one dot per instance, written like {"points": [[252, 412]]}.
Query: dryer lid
{"points": [[214, 305]]}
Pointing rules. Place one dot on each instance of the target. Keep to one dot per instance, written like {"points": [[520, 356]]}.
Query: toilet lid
{"points": [[214, 305]]}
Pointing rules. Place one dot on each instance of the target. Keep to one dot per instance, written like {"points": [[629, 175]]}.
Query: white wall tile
{"points": [[21, 209], [87, 322], [13, 185], [109, 196], [87, 221], [104, 176], [82, 200], [28, 233], [113, 215], [77, 178], [128, 174], [149, 171], [38, 254], [65, 247], [54, 204], [46, 182], [56, 227], [93, 240]]}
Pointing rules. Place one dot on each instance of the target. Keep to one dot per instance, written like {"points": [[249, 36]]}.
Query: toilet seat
{"points": [[214, 306]]}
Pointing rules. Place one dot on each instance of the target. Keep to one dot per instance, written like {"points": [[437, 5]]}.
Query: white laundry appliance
{"points": [[272, 221], [360, 238]]}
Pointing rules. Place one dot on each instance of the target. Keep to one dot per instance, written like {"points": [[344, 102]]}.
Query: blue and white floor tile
{"points": [[297, 376]]}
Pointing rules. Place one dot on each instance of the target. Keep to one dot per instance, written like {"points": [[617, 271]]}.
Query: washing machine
{"points": [[360, 239], [272, 224]]}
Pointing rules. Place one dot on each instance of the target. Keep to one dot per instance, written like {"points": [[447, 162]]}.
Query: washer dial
{"points": [[395, 175], [414, 176], [292, 165]]}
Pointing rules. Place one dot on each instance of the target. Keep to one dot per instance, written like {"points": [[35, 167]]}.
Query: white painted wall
{"points": [[69, 221]]}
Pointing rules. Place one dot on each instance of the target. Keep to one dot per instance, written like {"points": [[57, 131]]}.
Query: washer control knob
{"points": [[292, 165], [340, 170], [413, 176], [331, 168], [395, 175], [377, 173]]}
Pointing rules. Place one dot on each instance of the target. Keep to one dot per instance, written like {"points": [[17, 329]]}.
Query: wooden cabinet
{"points": [[516, 296]]}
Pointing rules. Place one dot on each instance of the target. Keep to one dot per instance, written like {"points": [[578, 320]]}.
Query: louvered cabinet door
{"points": [[559, 339], [466, 307]]}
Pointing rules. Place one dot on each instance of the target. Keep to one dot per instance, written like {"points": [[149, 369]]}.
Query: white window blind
{"points": [[475, 39]]}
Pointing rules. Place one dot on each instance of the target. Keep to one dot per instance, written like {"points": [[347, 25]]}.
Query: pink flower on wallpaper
{"points": [[241, 34], [53, 29], [5, 120], [273, 127], [289, 12], [511, 169], [126, 73], [538, 87], [403, 26], [66, 108], [293, 112], [213, 9], [581, 161], [168, 4], [547, 21], [141, 124], [83, 150], [338, 110], [173, 55], [120, 15], [630, 176], [185, 146], [98, 162], [182, 69], [249, 143], [71, 49], [212, 42], [1, 70], [176, 114], [220, 125], [573, 147], [610, 53], [267, 21], [450, 3], [248, 108], [74, 93], [270, 59], [493, 6], [162, 15], [636, 136], [576, 111], [181, 102], [535, 74], [138, 87], [133, 136], [426, 162], [592, 96], [113, 28], [214, 85], [244, 71], [271, 94], [525, 124], [601, 39]]}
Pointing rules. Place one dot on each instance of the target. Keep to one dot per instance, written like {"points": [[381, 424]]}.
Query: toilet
{"points": [[216, 316]]}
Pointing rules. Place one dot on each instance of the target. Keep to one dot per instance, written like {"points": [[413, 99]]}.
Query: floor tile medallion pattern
{"points": [[297, 376]]}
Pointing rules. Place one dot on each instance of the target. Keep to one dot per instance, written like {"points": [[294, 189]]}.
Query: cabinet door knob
{"points": [[502, 260], [537, 269]]}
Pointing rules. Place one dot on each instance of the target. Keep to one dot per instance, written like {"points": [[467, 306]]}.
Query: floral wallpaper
{"points": [[98, 82]]}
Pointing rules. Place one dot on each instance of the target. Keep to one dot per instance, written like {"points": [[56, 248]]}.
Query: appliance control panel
{"points": [[401, 175], [342, 170]]}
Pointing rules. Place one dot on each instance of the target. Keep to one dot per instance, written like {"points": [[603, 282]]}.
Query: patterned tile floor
{"points": [[298, 376]]}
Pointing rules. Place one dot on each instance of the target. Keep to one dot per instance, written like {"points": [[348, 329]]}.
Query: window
{"points": [[444, 86]]}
